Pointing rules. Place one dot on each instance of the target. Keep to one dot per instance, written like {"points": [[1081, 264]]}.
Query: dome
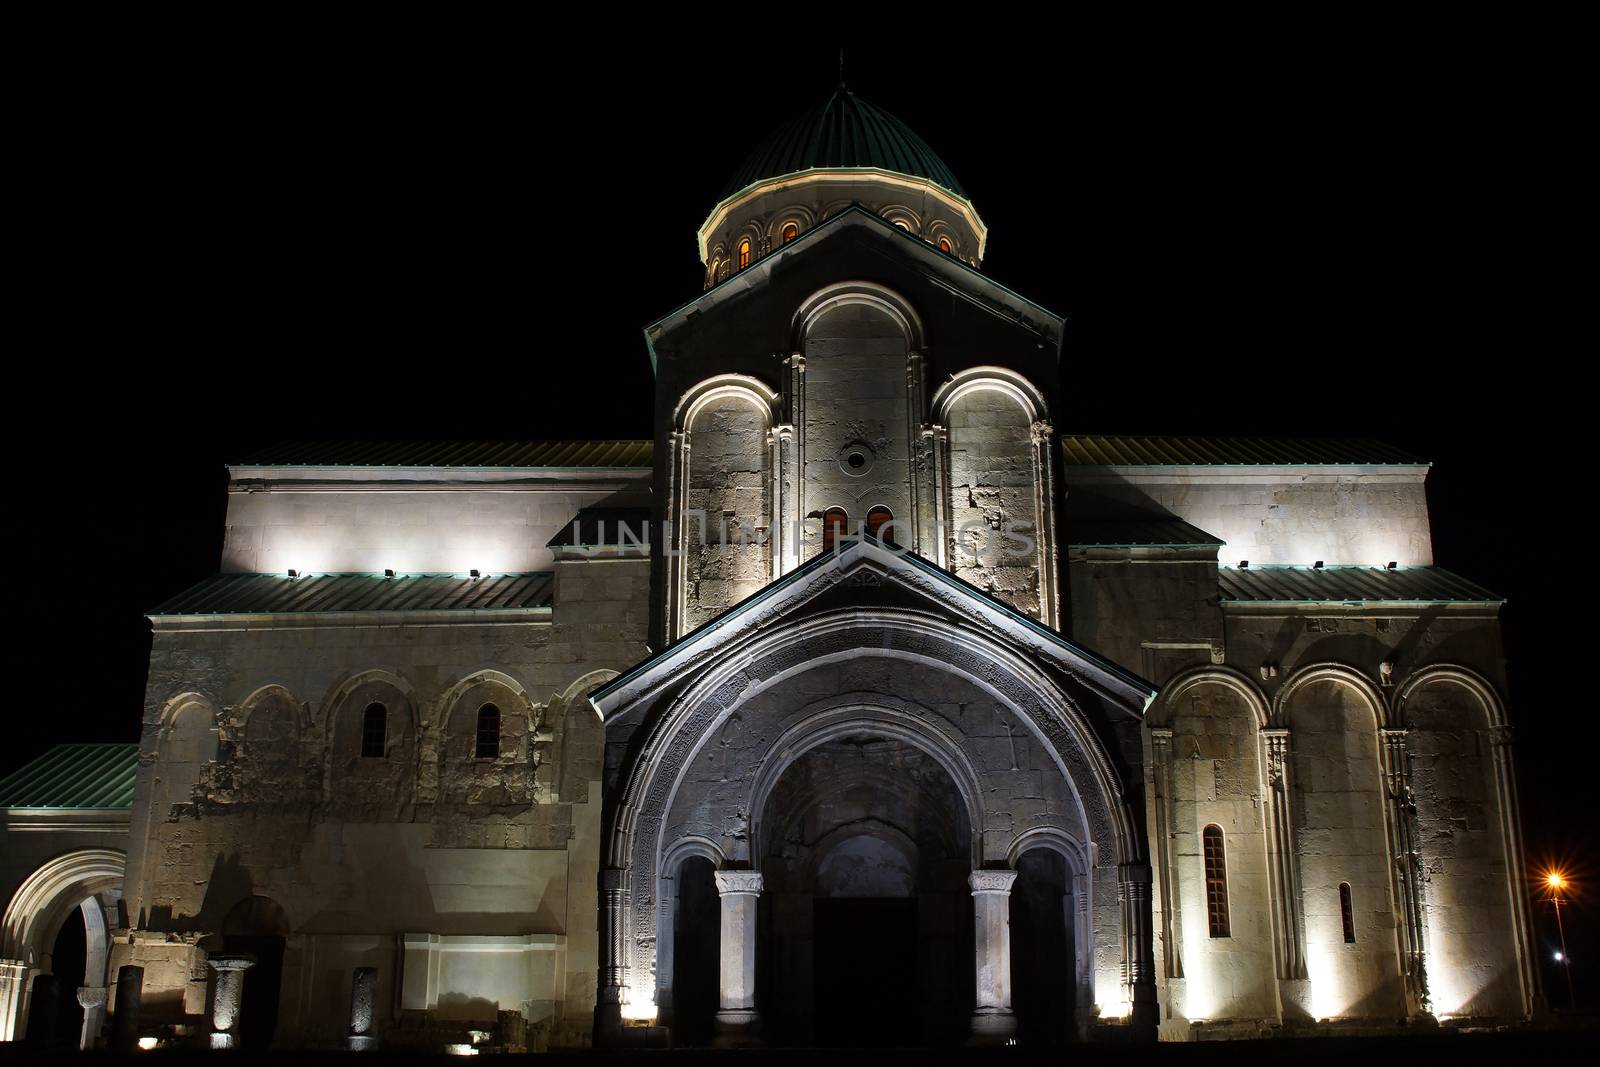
{"points": [[845, 131]]}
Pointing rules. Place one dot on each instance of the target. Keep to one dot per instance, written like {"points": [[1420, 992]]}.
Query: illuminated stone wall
{"points": [[436, 520], [1361, 516], [427, 841]]}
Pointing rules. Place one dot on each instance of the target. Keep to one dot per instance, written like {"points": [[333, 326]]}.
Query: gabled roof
{"points": [[1349, 585], [278, 594], [915, 572], [583, 454], [75, 777], [974, 284], [1101, 450]]}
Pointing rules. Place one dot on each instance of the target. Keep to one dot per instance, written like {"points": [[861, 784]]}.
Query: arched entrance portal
{"points": [[75, 891], [843, 738], [867, 915]]}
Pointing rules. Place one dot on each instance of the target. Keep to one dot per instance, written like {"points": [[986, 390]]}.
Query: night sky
{"points": [[248, 231]]}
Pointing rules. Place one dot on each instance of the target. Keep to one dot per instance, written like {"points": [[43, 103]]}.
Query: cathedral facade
{"points": [[859, 684]]}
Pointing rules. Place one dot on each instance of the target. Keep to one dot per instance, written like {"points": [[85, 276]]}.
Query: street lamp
{"points": [[1555, 882]]}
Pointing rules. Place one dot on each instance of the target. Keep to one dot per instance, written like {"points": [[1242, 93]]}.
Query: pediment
{"points": [[873, 581]]}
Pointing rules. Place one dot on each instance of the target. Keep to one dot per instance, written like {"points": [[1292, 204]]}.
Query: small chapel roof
{"points": [[74, 777], [1115, 450]]}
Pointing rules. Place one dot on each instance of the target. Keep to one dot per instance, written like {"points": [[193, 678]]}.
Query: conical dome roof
{"points": [[845, 131]]}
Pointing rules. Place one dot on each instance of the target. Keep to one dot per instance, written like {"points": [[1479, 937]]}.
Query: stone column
{"points": [[737, 1019], [227, 998], [992, 1019], [1400, 809], [44, 1005], [125, 1019], [363, 998], [1500, 738], [92, 998], [13, 979], [613, 948], [1138, 948], [1161, 779], [1042, 435], [1285, 877]]}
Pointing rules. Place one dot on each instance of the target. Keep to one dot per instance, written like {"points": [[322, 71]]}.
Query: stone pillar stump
{"points": [[363, 998], [125, 1019], [229, 996]]}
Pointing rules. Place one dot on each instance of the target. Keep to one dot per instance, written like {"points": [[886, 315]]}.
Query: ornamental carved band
{"points": [[991, 881], [731, 883]]}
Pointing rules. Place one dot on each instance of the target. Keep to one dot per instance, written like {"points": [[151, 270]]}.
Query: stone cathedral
{"points": [[859, 684]]}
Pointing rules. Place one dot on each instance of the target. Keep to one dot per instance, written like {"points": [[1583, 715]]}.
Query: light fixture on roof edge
{"points": [[293, 573], [1317, 566]]}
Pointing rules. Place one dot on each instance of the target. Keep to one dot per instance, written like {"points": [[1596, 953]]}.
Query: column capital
{"points": [[92, 996], [732, 883], [1275, 733], [236, 962], [1040, 432], [995, 881], [1161, 734], [1394, 734]]}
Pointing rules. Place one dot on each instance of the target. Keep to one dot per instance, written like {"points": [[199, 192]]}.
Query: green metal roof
{"points": [[275, 594], [1427, 585], [606, 454], [1124, 532], [1099, 450], [74, 776], [843, 131]]}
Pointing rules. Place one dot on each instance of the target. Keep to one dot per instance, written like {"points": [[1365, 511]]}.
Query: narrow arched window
{"points": [[877, 519], [1347, 913], [790, 232], [488, 732], [1216, 882], [835, 524], [744, 253], [903, 224], [374, 731], [944, 245]]}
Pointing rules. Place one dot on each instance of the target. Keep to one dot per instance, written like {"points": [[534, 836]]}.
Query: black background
{"points": [[277, 226]]}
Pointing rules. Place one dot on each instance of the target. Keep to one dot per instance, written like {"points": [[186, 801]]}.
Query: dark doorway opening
{"points": [[68, 959], [258, 1007], [1043, 960], [864, 971], [696, 953], [258, 927]]}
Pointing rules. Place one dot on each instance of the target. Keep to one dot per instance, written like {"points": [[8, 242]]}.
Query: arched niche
{"points": [[1457, 742], [187, 742], [1334, 717], [1211, 775], [275, 757], [857, 406], [368, 786], [722, 497], [1000, 530], [505, 779]]}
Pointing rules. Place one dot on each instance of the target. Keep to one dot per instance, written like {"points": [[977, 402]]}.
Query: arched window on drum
{"points": [[877, 519], [835, 526]]}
